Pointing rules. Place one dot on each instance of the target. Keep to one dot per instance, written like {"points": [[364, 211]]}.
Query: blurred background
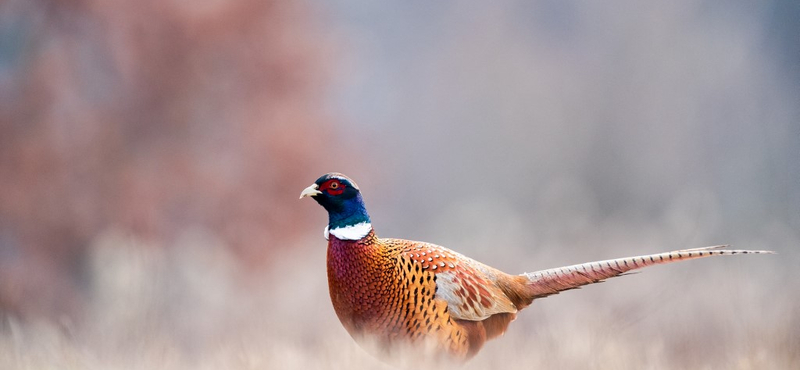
{"points": [[152, 152]]}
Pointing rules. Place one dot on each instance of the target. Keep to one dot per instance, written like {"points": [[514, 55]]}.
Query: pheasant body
{"points": [[396, 292], [380, 295]]}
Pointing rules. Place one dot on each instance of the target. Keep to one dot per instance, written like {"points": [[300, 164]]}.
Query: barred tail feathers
{"points": [[552, 281]]}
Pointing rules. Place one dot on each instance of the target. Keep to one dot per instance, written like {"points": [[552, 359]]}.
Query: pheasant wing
{"points": [[468, 287]]}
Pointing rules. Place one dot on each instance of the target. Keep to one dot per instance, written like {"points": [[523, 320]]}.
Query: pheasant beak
{"points": [[310, 191]]}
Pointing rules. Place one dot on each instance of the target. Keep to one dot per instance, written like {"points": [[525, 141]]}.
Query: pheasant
{"points": [[397, 292]]}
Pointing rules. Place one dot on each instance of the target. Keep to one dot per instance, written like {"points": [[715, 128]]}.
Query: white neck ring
{"points": [[351, 232]]}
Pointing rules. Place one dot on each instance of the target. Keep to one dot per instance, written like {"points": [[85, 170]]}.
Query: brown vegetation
{"points": [[151, 118]]}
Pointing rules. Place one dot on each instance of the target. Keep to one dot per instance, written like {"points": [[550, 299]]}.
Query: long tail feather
{"points": [[547, 282]]}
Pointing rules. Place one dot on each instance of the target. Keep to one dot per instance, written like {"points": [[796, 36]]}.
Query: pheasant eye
{"points": [[334, 185]]}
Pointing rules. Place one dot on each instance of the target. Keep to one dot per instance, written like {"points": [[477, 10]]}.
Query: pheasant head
{"points": [[341, 197]]}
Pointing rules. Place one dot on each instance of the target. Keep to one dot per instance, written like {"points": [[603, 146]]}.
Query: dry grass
{"points": [[189, 307]]}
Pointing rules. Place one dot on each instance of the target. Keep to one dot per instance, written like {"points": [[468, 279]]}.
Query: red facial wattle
{"points": [[332, 187]]}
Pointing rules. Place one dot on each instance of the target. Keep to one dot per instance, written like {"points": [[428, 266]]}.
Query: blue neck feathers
{"points": [[348, 213]]}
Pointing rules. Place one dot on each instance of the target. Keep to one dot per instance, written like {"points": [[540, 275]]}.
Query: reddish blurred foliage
{"points": [[150, 117]]}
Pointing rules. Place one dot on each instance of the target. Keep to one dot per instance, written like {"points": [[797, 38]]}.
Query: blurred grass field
{"points": [[191, 308]]}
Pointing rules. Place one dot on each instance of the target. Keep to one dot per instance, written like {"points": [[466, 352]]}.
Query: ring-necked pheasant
{"points": [[397, 292]]}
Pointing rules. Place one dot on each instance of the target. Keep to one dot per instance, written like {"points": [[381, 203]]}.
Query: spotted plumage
{"points": [[395, 292]]}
